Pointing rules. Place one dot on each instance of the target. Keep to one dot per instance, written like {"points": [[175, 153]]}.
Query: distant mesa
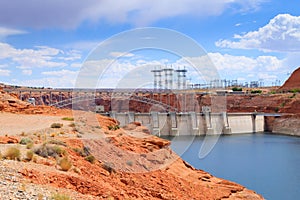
{"points": [[293, 82]]}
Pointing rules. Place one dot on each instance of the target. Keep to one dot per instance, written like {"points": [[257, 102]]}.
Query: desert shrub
{"points": [[58, 196], [29, 145], [65, 164], [108, 167], [59, 151], [256, 91], [25, 141], [47, 150], [12, 153], [90, 158], [57, 142], [56, 125], [237, 89], [72, 125], [29, 155], [82, 152], [68, 118], [79, 151], [296, 90], [34, 158], [113, 127], [129, 162]]}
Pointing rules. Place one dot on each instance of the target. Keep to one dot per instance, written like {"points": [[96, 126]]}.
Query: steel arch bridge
{"points": [[142, 99]]}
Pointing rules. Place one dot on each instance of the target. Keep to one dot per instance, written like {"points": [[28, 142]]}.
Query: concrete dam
{"points": [[192, 123], [162, 112]]}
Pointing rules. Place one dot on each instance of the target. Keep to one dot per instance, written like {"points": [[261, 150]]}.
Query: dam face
{"points": [[191, 123]]}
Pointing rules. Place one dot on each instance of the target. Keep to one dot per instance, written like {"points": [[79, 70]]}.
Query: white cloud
{"points": [[55, 79], [27, 72], [69, 13], [54, 82], [4, 32], [281, 34], [119, 54], [76, 65], [37, 57], [240, 64], [5, 72], [122, 73], [63, 72]]}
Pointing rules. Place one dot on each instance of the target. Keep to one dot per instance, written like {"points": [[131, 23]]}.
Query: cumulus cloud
{"points": [[249, 69], [281, 34], [4, 72], [38, 57], [69, 13]]}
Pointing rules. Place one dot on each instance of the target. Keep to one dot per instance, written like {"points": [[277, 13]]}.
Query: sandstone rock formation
{"points": [[130, 164], [293, 82]]}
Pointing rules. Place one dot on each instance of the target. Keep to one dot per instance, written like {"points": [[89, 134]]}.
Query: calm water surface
{"points": [[268, 164]]}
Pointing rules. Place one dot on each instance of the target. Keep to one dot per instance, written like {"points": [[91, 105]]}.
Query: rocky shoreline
{"points": [[288, 124]]}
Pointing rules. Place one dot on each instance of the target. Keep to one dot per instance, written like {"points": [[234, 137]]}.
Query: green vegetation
{"points": [[256, 91], [113, 127], [29, 145], [68, 118], [58, 196], [49, 150], [57, 142], [82, 152], [65, 164], [296, 90], [85, 152], [25, 141], [90, 158], [237, 89], [29, 155], [56, 125], [12, 153]]}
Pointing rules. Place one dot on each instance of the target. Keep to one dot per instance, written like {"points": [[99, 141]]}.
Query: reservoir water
{"points": [[267, 164]]}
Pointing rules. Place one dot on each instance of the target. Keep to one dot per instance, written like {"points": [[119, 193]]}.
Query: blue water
{"points": [[267, 164]]}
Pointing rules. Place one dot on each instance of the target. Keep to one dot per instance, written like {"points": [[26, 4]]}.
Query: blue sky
{"points": [[45, 43]]}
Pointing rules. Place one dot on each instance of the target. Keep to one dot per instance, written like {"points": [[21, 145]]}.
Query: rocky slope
{"points": [[11, 103], [293, 82], [103, 162]]}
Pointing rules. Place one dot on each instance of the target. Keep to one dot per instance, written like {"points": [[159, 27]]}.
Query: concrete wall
{"points": [[240, 123], [194, 123]]}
